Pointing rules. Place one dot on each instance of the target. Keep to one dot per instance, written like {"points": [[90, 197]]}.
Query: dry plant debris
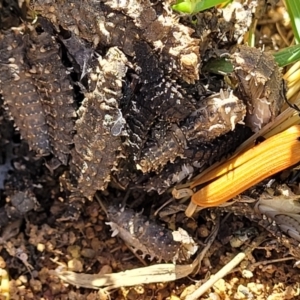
{"points": [[112, 98]]}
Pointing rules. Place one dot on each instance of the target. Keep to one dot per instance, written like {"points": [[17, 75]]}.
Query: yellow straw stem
{"points": [[268, 158]]}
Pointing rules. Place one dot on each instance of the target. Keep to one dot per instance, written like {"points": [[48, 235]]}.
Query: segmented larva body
{"points": [[217, 115], [157, 97], [79, 17], [116, 29], [55, 89], [165, 147], [260, 83], [20, 94], [99, 127], [91, 21], [145, 235], [95, 23], [181, 55]]}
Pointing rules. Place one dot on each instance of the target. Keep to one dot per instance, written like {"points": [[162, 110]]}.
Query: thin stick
{"points": [[164, 205], [268, 262], [136, 255], [226, 269], [210, 241], [223, 272], [101, 203], [264, 263]]}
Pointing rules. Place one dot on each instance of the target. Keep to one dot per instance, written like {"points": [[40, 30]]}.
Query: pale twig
{"points": [[265, 262], [151, 274], [226, 269], [223, 272], [272, 261], [146, 275]]}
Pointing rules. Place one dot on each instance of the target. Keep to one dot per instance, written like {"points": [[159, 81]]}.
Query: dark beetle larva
{"points": [[260, 83], [148, 236], [55, 89], [197, 157], [217, 115], [165, 147], [20, 94], [79, 17], [179, 50], [99, 127], [158, 97]]}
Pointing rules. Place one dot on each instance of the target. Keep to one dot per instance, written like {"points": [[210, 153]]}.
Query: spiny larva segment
{"points": [[54, 85], [196, 158], [99, 127], [180, 52], [116, 29], [166, 143], [217, 115], [158, 97], [102, 22], [20, 94], [145, 235], [77, 16], [91, 21], [261, 85]]}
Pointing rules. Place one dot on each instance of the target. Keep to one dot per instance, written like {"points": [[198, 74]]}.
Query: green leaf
{"points": [[287, 55], [293, 7], [221, 66], [183, 6], [194, 6], [283, 58]]}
